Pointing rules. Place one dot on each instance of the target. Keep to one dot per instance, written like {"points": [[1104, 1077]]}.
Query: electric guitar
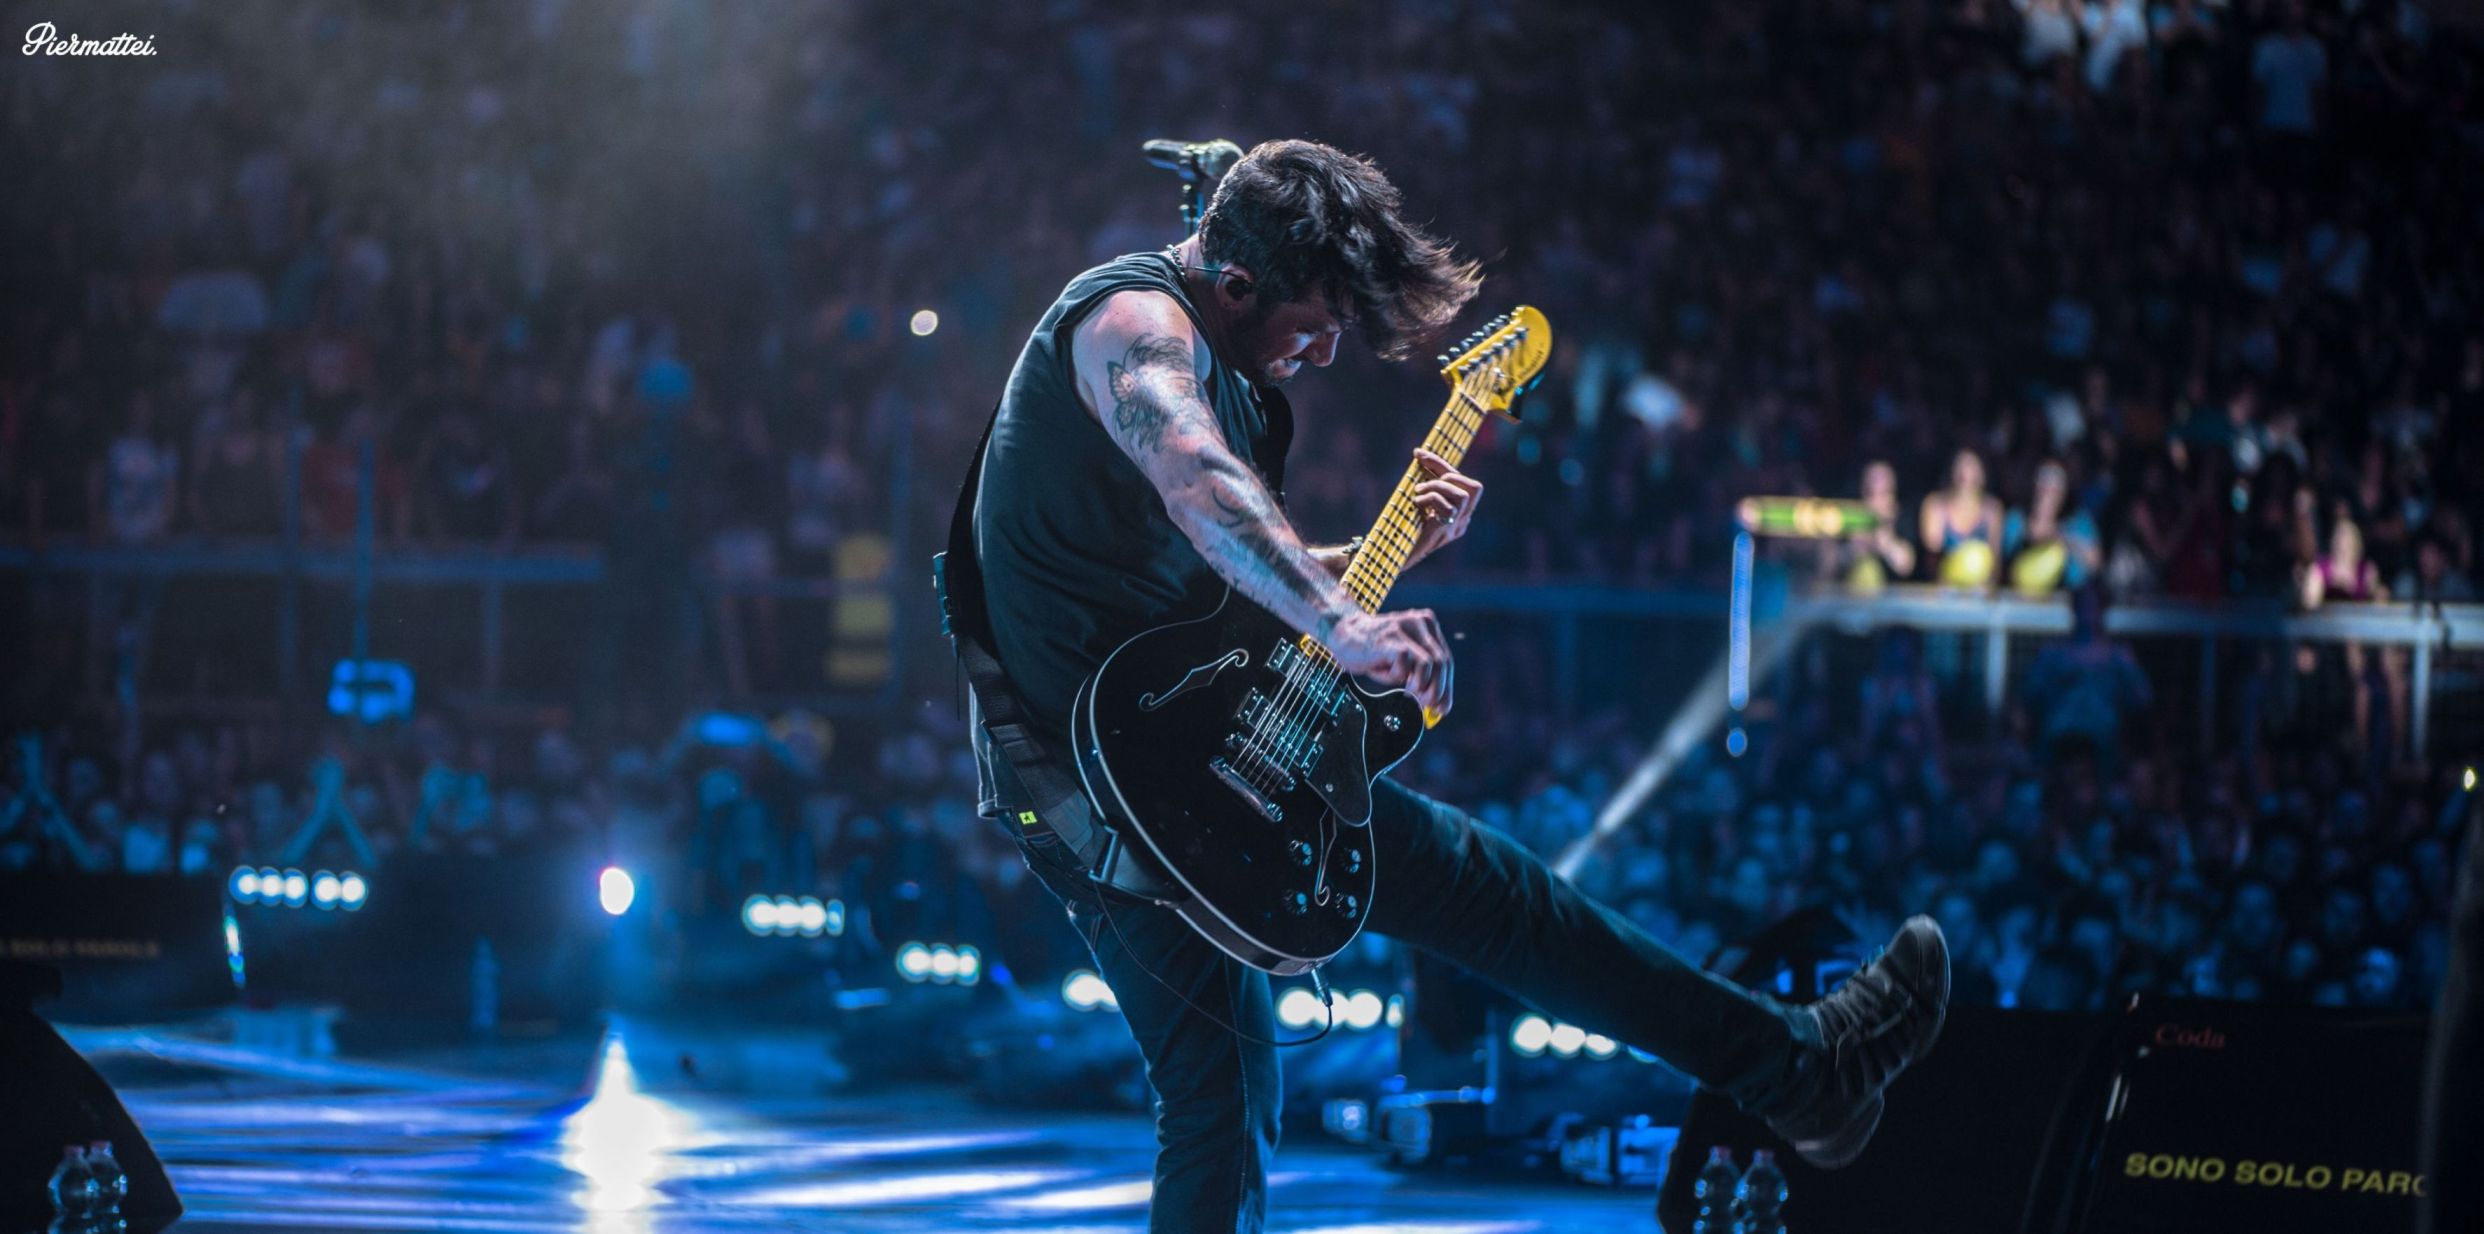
{"points": [[1231, 757]]}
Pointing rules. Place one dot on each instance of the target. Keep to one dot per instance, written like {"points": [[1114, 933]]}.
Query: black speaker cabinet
{"points": [[1962, 1148]]}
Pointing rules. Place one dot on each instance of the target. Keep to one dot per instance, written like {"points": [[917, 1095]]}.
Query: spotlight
{"points": [[943, 964], [616, 890], [271, 884], [834, 920], [914, 961], [811, 916], [325, 889], [233, 952], [1084, 991], [1298, 1008], [297, 888], [1530, 1035], [788, 915], [759, 915], [245, 884], [1566, 1040], [351, 891], [925, 321], [969, 966], [2467, 782], [1601, 1046], [1363, 1010], [1397, 1011], [1736, 741]]}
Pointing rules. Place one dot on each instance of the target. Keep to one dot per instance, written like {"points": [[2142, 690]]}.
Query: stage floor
{"points": [[508, 1139]]}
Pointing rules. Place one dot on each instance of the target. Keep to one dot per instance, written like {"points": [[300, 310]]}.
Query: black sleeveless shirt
{"points": [[1076, 550]]}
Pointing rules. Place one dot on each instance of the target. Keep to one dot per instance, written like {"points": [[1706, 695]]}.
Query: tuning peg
{"points": [[1442, 359]]}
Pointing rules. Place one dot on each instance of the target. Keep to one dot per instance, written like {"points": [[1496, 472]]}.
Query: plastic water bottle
{"points": [[73, 1185], [1713, 1190], [1759, 1203], [111, 1181]]}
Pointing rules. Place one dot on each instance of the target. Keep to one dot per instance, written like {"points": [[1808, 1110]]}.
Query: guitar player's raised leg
{"points": [[1466, 892]]}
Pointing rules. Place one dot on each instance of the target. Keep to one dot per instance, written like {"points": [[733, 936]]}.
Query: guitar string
{"points": [[1281, 728], [1399, 544], [1292, 704]]}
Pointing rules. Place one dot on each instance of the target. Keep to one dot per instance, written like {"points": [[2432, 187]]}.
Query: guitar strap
{"points": [[1060, 802]]}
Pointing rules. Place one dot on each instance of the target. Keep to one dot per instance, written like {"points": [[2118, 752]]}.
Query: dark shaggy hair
{"points": [[1305, 218]]}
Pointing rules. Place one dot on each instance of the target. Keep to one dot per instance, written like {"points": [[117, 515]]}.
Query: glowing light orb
{"points": [[914, 961], [1567, 1039], [616, 890], [1530, 1035]]}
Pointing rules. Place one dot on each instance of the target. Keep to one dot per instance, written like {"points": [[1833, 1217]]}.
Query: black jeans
{"points": [[1451, 886]]}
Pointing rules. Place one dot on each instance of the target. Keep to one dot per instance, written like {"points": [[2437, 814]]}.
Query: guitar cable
{"points": [[1319, 985]]}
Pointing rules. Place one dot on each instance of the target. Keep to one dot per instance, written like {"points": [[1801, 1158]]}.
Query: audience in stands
{"points": [[2178, 300]]}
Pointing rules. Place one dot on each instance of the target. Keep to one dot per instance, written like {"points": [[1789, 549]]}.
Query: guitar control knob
{"points": [[1301, 851], [1391, 723], [1354, 861], [1298, 903], [1349, 907]]}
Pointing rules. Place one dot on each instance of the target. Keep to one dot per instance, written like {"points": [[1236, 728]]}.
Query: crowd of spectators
{"points": [[2070, 859], [2171, 298], [2191, 273]]}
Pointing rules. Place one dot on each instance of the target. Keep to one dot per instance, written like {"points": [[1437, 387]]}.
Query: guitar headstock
{"points": [[1499, 362]]}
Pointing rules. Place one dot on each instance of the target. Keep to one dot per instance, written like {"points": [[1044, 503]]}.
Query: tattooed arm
{"points": [[1138, 362]]}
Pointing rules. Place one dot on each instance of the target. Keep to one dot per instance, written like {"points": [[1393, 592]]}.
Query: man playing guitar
{"points": [[1133, 468]]}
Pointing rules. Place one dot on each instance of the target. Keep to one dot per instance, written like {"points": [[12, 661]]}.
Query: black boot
{"points": [[1871, 1028]]}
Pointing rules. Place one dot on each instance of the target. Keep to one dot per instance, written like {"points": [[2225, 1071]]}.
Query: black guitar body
{"points": [[1239, 768]]}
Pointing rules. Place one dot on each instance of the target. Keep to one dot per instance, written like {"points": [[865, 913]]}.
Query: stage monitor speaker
{"points": [[50, 1098], [1963, 1147], [2277, 1120], [134, 947]]}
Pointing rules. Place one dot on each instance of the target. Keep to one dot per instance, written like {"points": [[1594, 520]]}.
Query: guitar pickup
{"points": [[1268, 808]]}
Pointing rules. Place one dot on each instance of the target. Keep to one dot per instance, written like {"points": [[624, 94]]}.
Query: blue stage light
{"points": [[943, 964], [914, 961], [325, 889], [1567, 1040], [351, 891], [297, 888], [233, 952], [1530, 1035], [969, 966], [811, 916], [759, 915], [616, 890], [245, 884], [1085, 991], [1298, 1008]]}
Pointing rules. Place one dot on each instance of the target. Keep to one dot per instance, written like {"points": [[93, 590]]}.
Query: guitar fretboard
{"points": [[1391, 542]]}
